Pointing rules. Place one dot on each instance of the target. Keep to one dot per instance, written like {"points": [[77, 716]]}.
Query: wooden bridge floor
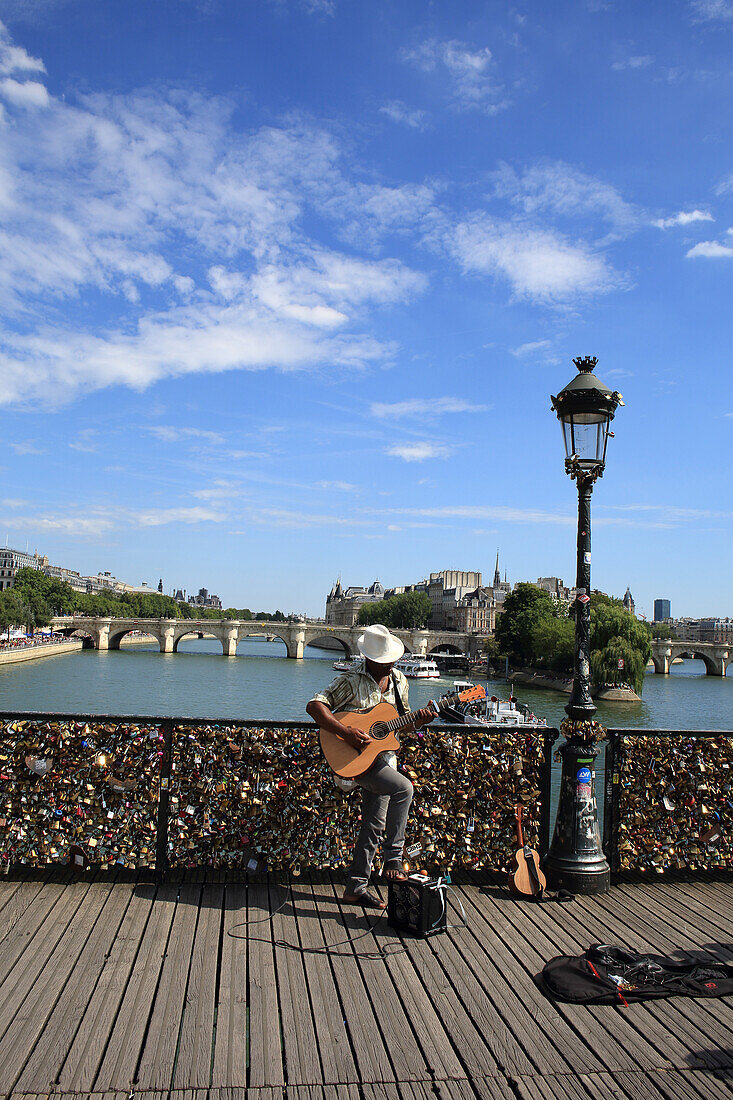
{"points": [[208, 989]]}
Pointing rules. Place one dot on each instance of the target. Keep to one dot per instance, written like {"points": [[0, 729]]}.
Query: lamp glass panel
{"points": [[567, 435], [589, 438]]}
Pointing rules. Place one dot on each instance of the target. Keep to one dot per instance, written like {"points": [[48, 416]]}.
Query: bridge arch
{"points": [[243, 635], [693, 654], [347, 646], [86, 637], [116, 636], [447, 647]]}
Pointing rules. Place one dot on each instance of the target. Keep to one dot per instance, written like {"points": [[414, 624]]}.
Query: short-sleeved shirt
{"points": [[357, 690]]}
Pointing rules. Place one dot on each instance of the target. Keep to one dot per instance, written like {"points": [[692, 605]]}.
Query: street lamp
{"points": [[575, 862]]}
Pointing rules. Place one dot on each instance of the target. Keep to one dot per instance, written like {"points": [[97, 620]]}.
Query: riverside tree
{"points": [[406, 611]]}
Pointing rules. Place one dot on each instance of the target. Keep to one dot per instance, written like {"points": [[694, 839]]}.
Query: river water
{"points": [[198, 682]]}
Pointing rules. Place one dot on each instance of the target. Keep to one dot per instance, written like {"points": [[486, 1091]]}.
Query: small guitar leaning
{"points": [[381, 723], [526, 878]]}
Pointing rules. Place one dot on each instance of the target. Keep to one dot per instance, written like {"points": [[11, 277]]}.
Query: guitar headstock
{"points": [[467, 696]]}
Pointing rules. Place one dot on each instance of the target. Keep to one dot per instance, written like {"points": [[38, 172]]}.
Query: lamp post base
{"points": [[575, 861]]}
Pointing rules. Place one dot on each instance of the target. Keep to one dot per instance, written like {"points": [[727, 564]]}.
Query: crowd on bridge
{"points": [[27, 641]]}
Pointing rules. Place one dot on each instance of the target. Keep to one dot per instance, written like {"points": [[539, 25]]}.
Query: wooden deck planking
{"points": [[372, 1057], [124, 1041], [688, 1022], [157, 1062], [87, 1048], [518, 1022], [625, 1047], [265, 1028], [300, 1043], [230, 1046], [119, 987], [408, 1060], [44, 1064], [669, 933], [193, 1060], [334, 1045], [533, 937], [41, 988]]}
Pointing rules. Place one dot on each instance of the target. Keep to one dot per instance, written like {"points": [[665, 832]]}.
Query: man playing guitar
{"points": [[386, 792]]}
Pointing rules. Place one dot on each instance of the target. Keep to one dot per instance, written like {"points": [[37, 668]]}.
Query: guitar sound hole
{"points": [[378, 731]]}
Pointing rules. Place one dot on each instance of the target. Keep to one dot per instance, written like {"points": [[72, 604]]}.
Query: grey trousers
{"points": [[386, 798]]}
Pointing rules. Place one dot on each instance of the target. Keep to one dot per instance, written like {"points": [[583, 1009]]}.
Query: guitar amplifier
{"points": [[419, 905]]}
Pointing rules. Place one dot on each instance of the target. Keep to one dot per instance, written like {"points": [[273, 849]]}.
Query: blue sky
{"points": [[286, 286]]}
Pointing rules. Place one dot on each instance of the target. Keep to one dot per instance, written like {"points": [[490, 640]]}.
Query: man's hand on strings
{"points": [[422, 717], [358, 739]]}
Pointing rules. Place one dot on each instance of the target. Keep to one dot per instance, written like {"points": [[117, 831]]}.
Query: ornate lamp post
{"points": [[575, 862]]}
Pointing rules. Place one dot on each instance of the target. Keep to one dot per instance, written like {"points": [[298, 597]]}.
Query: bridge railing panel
{"points": [[669, 801], [158, 793], [81, 789]]}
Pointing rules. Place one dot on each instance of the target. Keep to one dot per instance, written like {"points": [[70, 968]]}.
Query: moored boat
{"points": [[492, 711], [418, 668]]}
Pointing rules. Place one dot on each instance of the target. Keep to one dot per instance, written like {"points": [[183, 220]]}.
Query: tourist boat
{"points": [[347, 664], [418, 668], [491, 712]]}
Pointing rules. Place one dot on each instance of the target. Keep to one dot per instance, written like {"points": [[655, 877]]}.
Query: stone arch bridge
{"points": [[107, 633], [715, 655]]}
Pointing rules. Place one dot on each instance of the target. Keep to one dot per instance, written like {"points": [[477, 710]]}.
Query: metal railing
{"points": [[669, 801], [161, 793]]}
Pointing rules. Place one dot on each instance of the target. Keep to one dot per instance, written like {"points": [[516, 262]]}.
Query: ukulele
{"points": [[526, 878], [382, 722]]}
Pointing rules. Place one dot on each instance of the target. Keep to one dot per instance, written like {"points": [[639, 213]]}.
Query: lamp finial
{"points": [[586, 364]]}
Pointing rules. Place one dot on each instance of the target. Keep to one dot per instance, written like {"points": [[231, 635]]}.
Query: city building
{"points": [[203, 599], [556, 587], [703, 630], [445, 589], [500, 588], [13, 560], [342, 605], [628, 601], [662, 610], [473, 613]]}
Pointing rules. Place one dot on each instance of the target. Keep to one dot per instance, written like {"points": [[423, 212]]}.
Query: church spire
{"points": [[497, 574]]}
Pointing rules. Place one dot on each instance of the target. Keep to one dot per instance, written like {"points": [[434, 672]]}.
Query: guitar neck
{"points": [[400, 723]]}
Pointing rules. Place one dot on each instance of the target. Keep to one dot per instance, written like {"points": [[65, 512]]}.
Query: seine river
{"points": [[262, 684]]}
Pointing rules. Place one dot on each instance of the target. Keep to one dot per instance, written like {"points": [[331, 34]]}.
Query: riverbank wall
{"points": [[36, 652]]}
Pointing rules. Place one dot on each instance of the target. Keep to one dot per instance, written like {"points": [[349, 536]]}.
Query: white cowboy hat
{"points": [[380, 646]]}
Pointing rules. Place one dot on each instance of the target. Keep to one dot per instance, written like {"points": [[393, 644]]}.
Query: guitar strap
{"points": [[398, 698]]}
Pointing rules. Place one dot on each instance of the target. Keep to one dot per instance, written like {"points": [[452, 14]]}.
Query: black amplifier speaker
{"points": [[419, 905]]}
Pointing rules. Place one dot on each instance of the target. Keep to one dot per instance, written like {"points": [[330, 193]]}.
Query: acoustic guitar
{"points": [[382, 722], [526, 878]]}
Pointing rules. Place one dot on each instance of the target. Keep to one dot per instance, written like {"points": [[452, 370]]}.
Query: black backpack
{"points": [[606, 974]]}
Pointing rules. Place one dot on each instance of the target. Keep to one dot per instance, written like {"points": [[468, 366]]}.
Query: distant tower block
{"points": [[662, 610]]}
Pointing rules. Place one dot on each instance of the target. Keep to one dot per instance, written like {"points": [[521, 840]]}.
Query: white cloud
{"points": [[85, 441], [170, 434], [425, 406], [162, 516], [711, 250], [531, 348], [94, 522], [634, 62], [540, 264], [27, 449], [14, 59], [470, 72], [408, 116], [706, 11], [684, 217], [220, 490], [419, 452], [27, 93], [118, 196], [339, 486], [562, 190]]}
